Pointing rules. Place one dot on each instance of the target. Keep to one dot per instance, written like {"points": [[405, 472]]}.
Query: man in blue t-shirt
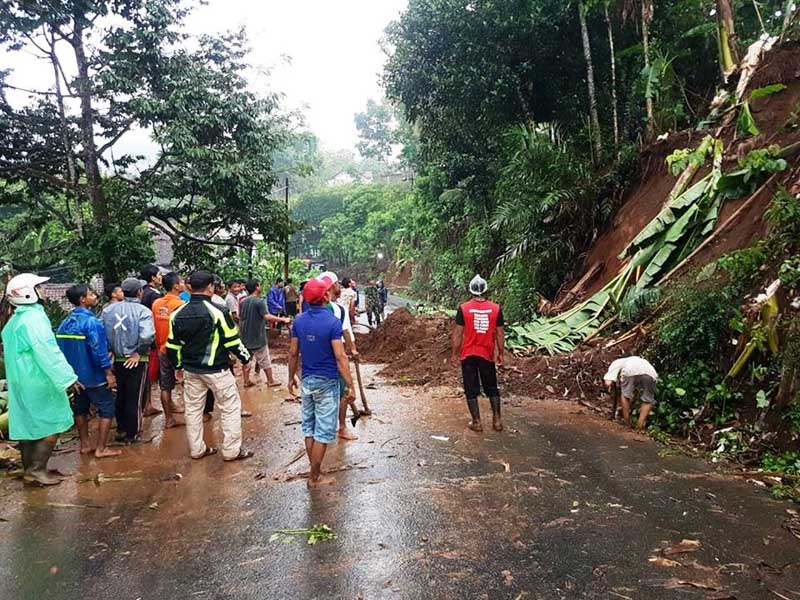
{"points": [[317, 345]]}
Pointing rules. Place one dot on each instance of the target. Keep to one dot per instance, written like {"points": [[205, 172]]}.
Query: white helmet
{"points": [[478, 286], [22, 289]]}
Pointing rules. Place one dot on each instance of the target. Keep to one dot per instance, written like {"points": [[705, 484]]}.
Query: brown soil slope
{"points": [[773, 114]]}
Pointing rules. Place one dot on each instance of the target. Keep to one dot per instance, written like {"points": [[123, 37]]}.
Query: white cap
{"points": [[478, 286], [22, 289], [330, 275]]}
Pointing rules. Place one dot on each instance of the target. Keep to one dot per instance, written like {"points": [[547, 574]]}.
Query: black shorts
{"points": [[479, 372], [291, 309]]}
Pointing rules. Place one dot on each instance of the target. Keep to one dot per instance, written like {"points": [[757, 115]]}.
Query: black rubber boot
{"points": [[25, 449], [475, 423], [37, 473], [497, 423]]}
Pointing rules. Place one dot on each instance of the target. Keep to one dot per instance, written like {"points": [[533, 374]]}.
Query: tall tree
{"points": [[645, 10], [587, 54], [613, 63], [209, 177]]}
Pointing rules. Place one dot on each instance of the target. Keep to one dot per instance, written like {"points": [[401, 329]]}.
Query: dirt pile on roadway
{"points": [[416, 350]]}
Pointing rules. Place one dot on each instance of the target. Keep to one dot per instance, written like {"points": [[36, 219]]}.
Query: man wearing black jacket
{"points": [[201, 336]]}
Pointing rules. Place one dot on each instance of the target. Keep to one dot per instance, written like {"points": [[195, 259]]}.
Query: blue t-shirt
{"points": [[315, 330]]}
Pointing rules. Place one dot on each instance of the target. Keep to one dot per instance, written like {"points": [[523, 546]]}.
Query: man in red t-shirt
{"points": [[479, 340]]}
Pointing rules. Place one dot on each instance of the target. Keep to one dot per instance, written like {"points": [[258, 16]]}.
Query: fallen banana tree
{"points": [[681, 226]]}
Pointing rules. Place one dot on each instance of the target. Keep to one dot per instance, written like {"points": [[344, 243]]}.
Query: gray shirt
{"points": [[252, 328]]}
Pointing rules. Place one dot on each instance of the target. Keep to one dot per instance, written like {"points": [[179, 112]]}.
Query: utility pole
{"points": [[288, 234]]}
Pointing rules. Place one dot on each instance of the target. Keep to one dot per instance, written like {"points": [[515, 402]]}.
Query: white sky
{"points": [[333, 46]]}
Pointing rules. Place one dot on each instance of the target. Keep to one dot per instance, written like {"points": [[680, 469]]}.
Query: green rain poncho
{"points": [[38, 376]]}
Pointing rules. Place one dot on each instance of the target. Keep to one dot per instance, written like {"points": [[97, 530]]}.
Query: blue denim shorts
{"points": [[320, 408], [100, 397]]}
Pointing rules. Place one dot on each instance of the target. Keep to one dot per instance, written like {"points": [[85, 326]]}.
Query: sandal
{"points": [[243, 454], [209, 452]]}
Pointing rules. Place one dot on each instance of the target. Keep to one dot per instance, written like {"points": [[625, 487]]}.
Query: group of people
{"points": [[192, 332]]}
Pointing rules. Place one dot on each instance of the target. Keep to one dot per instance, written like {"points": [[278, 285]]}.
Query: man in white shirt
{"points": [[632, 376], [341, 313], [347, 297]]}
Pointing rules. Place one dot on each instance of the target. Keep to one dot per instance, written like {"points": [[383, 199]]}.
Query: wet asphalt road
{"points": [[560, 505]]}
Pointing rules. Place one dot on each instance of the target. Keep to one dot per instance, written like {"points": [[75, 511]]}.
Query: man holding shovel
{"points": [[317, 344], [350, 345], [479, 339]]}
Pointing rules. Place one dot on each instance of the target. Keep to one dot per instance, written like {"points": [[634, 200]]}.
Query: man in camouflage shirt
{"points": [[373, 296]]}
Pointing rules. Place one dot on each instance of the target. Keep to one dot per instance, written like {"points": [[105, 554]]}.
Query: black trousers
{"points": [[131, 384], [479, 372]]}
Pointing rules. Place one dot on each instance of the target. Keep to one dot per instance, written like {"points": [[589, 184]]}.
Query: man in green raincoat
{"points": [[38, 380]]}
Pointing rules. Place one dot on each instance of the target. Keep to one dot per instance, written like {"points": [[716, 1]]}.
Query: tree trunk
{"points": [[72, 172], [728, 52], [587, 53], [788, 16], [614, 113], [94, 180], [647, 16]]}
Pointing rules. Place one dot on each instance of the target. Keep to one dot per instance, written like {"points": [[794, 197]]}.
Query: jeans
{"points": [[320, 408]]}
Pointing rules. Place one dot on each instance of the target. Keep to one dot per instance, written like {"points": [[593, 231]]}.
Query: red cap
{"points": [[315, 290]]}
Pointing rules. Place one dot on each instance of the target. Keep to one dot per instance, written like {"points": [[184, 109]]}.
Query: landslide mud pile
{"points": [[416, 350]]}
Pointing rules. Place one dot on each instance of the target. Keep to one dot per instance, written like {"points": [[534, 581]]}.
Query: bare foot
{"points": [[249, 384], [475, 426], [106, 452], [346, 435], [273, 384], [151, 411], [322, 480], [177, 410], [87, 450], [170, 423], [206, 418]]}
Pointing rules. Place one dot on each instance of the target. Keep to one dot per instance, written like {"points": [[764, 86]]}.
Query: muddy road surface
{"points": [[561, 505]]}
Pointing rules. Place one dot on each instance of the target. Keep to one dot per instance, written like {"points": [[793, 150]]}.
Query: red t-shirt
{"points": [[480, 319]]}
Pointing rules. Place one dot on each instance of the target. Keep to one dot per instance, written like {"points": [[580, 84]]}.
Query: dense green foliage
{"points": [[209, 181], [697, 337], [504, 151]]}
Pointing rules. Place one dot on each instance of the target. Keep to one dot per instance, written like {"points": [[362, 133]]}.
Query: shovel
{"points": [[366, 410]]}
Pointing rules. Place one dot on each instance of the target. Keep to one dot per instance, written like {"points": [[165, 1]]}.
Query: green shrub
{"points": [[788, 463], [694, 326]]}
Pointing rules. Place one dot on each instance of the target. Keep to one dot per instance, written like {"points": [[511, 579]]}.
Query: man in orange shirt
{"points": [[163, 308]]}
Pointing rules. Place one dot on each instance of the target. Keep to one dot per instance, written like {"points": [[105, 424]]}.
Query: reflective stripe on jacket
{"points": [[83, 341], [201, 335]]}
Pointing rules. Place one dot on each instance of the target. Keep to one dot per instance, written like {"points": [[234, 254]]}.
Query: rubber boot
{"points": [[475, 423], [25, 449], [497, 423], [37, 473]]}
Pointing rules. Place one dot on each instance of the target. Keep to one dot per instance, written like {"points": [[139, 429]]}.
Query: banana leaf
{"points": [[669, 215]]}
